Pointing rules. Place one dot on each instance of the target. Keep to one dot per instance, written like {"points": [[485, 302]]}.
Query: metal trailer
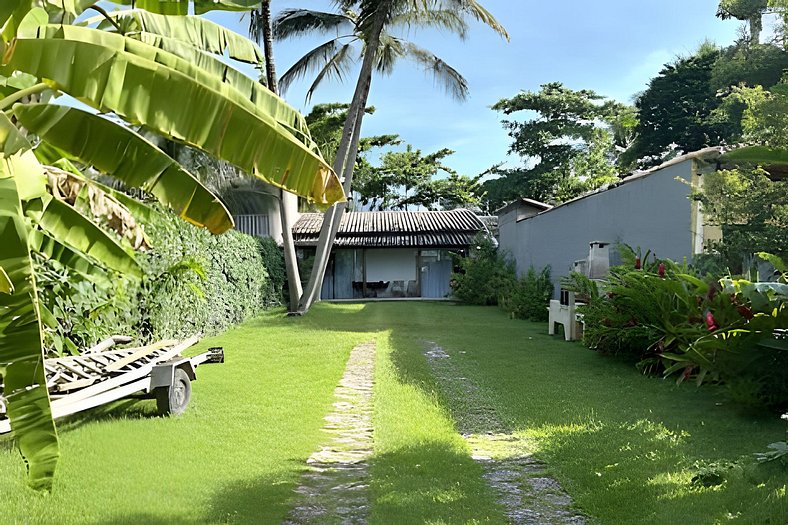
{"points": [[101, 375]]}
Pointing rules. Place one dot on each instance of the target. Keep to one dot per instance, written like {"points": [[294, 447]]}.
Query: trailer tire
{"points": [[174, 399]]}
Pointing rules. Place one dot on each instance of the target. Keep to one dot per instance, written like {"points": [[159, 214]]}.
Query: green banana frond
{"points": [[99, 69], [76, 231], [195, 31], [758, 155], [46, 245], [6, 286], [21, 347], [120, 152], [181, 7]]}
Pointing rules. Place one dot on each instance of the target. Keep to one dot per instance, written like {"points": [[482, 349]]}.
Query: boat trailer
{"points": [[102, 375]]}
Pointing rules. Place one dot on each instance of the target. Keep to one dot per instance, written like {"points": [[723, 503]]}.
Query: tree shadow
{"points": [[266, 499]]}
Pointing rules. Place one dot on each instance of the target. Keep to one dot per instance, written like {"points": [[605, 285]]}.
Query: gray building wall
{"points": [[652, 212]]}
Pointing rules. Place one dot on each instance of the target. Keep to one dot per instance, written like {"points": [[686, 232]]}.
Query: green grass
{"points": [[625, 446]]}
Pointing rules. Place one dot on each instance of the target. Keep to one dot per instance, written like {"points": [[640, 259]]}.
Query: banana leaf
{"points": [[198, 32], [72, 7], [181, 7], [202, 67], [12, 12], [127, 156], [76, 231], [21, 347], [265, 101], [6, 286], [95, 67], [50, 248]]}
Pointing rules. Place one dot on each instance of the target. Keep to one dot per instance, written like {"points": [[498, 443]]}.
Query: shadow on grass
{"points": [[266, 499], [428, 483], [131, 408]]}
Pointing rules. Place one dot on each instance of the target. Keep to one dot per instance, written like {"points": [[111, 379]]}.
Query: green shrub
{"points": [[274, 262], [485, 275], [530, 297], [193, 282], [676, 323]]}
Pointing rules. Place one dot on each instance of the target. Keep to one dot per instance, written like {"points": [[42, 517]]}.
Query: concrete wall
{"points": [[391, 264], [651, 212]]}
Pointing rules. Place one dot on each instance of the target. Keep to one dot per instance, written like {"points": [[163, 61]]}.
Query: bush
{"points": [[530, 296], [676, 323], [485, 275], [193, 282]]}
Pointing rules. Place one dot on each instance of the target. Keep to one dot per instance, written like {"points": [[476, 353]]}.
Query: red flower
{"points": [[661, 270], [711, 323], [746, 312], [637, 263]]}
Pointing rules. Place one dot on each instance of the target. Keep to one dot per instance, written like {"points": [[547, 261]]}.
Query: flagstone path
{"points": [[527, 494], [334, 489]]}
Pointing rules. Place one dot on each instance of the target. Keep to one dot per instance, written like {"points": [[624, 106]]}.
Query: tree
{"points": [[568, 147], [675, 109], [159, 77], [750, 11], [369, 24], [260, 29]]}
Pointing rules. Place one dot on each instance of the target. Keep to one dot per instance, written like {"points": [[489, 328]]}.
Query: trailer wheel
{"points": [[174, 399]]}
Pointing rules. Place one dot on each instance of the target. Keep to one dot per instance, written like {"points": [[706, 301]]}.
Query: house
{"points": [[390, 253], [650, 209]]}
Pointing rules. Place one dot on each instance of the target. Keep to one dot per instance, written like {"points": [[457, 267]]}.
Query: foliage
{"points": [[485, 276], [751, 210], [662, 122], [273, 260], [408, 178], [572, 141], [530, 296], [671, 320]]}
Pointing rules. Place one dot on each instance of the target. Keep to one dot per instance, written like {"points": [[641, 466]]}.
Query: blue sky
{"points": [[614, 48]]}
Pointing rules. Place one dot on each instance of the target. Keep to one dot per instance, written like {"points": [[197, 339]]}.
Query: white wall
{"points": [[391, 264]]}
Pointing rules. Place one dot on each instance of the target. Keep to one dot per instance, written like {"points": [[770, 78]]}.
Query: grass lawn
{"points": [[623, 445]]}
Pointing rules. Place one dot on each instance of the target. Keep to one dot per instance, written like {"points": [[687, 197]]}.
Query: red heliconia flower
{"points": [[745, 311], [637, 263], [711, 323], [661, 270]]}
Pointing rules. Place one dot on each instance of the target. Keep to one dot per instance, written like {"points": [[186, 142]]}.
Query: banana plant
{"points": [[163, 75]]}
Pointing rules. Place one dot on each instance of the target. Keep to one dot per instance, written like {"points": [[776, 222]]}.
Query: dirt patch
{"points": [[334, 489], [523, 489]]}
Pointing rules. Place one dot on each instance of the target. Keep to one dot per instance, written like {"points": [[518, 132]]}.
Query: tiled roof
{"points": [[379, 229]]}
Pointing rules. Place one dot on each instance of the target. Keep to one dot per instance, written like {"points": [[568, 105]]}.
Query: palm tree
{"points": [[260, 30], [163, 75], [368, 22]]}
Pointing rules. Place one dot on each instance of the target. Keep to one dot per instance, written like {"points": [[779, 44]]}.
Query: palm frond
{"points": [[314, 60], [476, 11], [298, 22], [453, 82], [445, 19], [389, 50], [335, 68]]}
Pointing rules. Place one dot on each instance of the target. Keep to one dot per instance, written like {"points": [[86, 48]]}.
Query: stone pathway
{"points": [[334, 488], [525, 492]]}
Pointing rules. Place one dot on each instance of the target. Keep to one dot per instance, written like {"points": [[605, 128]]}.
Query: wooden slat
{"points": [[139, 354]]}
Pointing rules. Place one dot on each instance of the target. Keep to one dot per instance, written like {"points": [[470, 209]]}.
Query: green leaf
{"points": [[73, 7], [198, 32], [779, 264], [21, 348], [50, 248], [76, 231], [12, 12], [118, 74], [181, 7], [127, 156], [758, 155], [6, 286]]}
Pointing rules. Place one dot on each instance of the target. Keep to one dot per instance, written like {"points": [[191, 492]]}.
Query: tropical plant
{"points": [[531, 296], [163, 76], [486, 275], [370, 23]]}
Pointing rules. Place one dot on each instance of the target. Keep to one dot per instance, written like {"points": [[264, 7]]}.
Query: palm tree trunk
{"points": [[344, 164], [288, 202]]}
